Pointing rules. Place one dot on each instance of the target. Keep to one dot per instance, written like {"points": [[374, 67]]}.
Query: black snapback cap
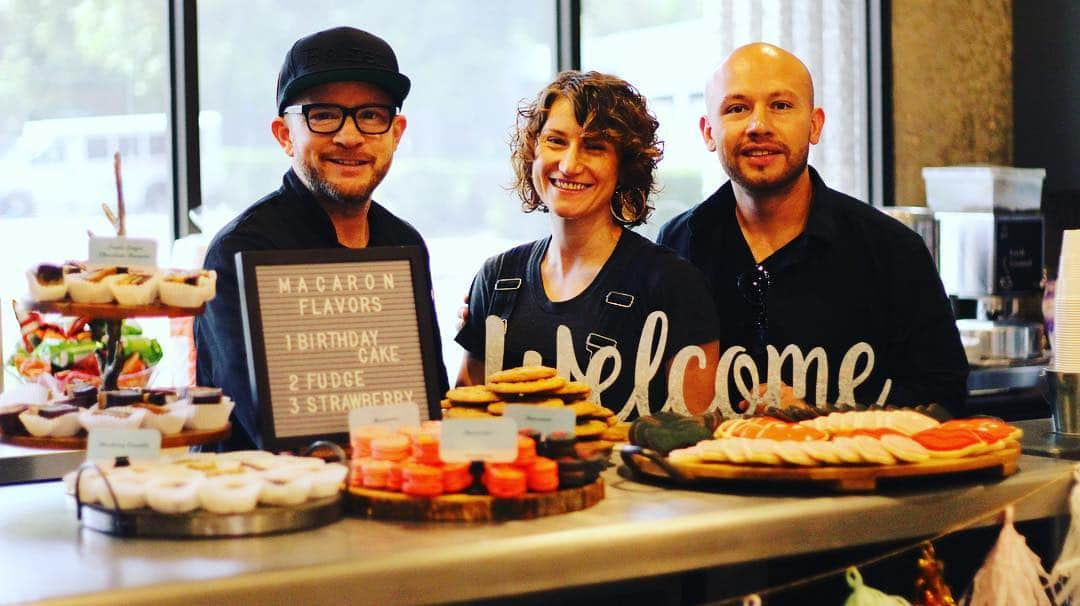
{"points": [[341, 54]]}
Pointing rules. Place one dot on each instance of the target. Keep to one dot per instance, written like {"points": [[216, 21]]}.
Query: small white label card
{"points": [[544, 419], [465, 440], [107, 444], [390, 416], [124, 251]]}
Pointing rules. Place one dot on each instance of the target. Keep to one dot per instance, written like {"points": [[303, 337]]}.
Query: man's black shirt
{"points": [[287, 219], [854, 276]]}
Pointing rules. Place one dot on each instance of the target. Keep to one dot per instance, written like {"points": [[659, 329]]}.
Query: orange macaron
{"points": [[505, 481], [456, 477], [543, 475], [421, 480], [393, 447]]}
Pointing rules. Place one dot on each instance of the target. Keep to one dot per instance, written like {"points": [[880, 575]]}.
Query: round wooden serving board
{"points": [[385, 505], [184, 438], [841, 478]]}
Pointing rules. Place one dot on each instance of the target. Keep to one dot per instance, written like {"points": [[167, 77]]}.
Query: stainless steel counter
{"points": [[19, 464], [639, 530]]}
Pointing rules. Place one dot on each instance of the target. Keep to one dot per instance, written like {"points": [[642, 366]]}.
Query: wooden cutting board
{"points": [[385, 505], [842, 478]]}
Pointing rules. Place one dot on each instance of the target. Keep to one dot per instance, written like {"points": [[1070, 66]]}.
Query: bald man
{"points": [[822, 299]]}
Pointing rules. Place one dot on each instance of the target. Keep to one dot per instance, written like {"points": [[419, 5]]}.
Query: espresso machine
{"points": [[989, 238]]}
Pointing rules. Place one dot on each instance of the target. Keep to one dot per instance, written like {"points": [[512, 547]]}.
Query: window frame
{"points": [[184, 99]]}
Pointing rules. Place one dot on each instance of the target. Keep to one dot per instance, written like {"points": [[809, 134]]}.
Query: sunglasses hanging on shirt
{"points": [[753, 285]]}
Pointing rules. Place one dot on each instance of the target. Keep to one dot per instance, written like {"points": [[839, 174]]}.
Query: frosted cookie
{"points": [[522, 374], [547, 385]]}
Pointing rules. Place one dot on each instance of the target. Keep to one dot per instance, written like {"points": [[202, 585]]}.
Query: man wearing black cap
{"points": [[338, 96]]}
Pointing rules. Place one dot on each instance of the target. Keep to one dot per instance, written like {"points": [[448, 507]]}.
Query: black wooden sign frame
{"points": [[258, 371]]}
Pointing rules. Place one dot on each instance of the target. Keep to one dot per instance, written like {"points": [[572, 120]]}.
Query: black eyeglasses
{"points": [[754, 285], [328, 118]]}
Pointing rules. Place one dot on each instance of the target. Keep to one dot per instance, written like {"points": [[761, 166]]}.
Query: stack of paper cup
{"points": [[1066, 343]]}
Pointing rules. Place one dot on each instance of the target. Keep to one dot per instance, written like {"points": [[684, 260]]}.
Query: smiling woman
{"points": [[589, 298]]}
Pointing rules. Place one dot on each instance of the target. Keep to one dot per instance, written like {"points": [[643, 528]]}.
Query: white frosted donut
{"points": [[128, 487], [174, 493], [207, 463], [230, 493], [327, 481], [285, 486], [87, 487], [245, 456], [305, 463]]}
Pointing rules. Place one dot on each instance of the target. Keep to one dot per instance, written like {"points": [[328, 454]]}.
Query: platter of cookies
{"points": [[842, 451], [398, 474], [190, 495], [597, 428]]}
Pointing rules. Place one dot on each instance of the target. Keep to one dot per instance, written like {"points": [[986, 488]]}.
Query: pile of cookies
{"points": [[538, 386]]}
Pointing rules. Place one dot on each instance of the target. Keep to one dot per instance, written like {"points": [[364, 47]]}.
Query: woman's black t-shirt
{"points": [[639, 278]]}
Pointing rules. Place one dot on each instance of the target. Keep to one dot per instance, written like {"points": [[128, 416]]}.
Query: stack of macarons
{"points": [[407, 461]]}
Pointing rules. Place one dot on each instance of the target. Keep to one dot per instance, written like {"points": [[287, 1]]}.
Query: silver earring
{"points": [[620, 201]]}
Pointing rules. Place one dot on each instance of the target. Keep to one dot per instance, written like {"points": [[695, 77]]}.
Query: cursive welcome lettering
{"points": [[735, 364]]}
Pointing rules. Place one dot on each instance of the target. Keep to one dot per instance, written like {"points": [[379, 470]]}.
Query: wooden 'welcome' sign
{"points": [[328, 331]]}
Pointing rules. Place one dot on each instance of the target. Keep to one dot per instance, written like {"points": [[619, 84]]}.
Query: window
{"points": [[80, 81], [469, 64], [668, 49]]}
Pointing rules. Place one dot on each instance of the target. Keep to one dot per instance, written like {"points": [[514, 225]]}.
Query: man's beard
{"points": [[769, 186], [357, 195]]}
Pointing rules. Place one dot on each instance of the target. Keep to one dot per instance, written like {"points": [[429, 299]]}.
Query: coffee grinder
{"points": [[990, 256]]}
